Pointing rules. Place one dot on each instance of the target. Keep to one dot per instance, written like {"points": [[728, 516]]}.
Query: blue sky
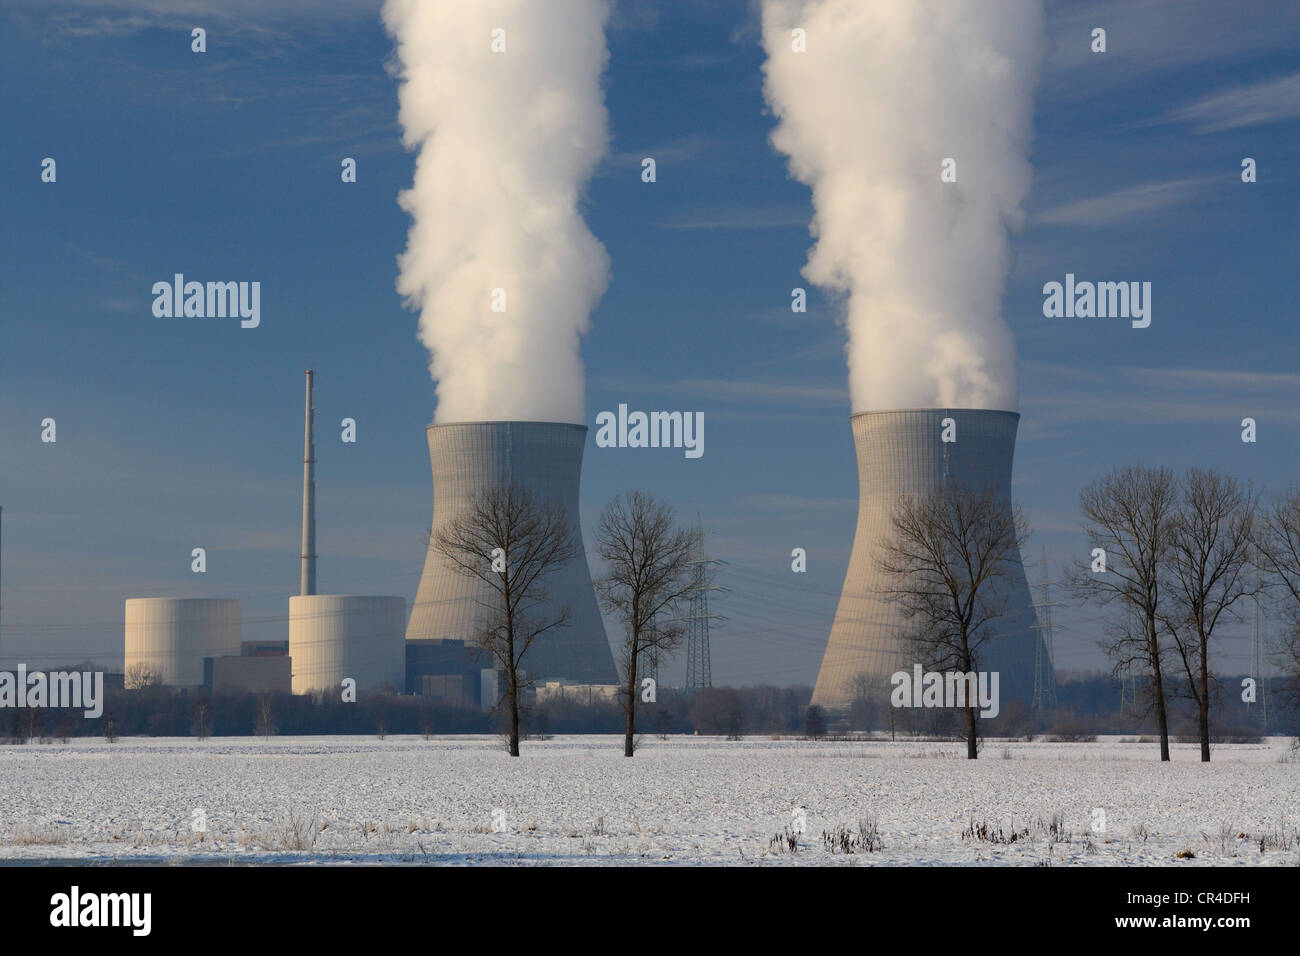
{"points": [[179, 433]]}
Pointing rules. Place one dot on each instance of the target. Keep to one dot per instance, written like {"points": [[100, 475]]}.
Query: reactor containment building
{"points": [[901, 453], [545, 458], [172, 636]]}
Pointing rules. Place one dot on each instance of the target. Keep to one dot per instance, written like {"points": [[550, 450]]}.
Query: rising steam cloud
{"points": [[506, 142], [886, 90]]}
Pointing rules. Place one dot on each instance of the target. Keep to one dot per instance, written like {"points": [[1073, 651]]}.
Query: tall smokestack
{"points": [[309, 494], [901, 453]]}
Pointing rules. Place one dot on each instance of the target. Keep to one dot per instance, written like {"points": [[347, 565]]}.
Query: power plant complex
{"points": [[368, 639], [900, 454], [371, 641]]}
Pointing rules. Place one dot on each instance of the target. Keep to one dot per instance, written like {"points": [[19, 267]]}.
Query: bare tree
{"points": [[648, 574], [512, 543], [1208, 571], [1277, 544], [944, 560], [265, 716], [142, 675], [1128, 514], [202, 720], [814, 724]]}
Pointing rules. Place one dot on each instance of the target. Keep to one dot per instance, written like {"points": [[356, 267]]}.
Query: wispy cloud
{"points": [[116, 17], [1054, 394], [1219, 378], [1146, 37], [1135, 202], [739, 217], [1269, 101], [766, 391], [678, 152]]}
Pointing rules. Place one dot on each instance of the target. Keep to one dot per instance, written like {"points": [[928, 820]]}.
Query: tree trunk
{"points": [[631, 702], [512, 672], [968, 666], [1204, 702], [514, 714], [972, 751], [1158, 687]]}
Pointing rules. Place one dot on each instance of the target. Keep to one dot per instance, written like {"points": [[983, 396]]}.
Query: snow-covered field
{"points": [[679, 801]]}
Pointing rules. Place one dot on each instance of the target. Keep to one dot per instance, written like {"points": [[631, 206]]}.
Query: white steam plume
{"points": [[506, 142], [887, 90]]}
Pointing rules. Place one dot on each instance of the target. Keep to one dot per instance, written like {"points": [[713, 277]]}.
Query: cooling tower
{"points": [[335, 636], [901, 453], [175, 634], [546, 458]]}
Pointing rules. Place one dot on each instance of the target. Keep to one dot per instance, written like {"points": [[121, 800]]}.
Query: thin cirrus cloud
{"points": [[1059, 394], [684, 150], [115, 17], [739, 217], [1269, 101], [1135, 202], [1143, 38], [766, 391]]}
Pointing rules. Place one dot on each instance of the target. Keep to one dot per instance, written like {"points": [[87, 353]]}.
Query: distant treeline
{"points": [[1087, 706]]}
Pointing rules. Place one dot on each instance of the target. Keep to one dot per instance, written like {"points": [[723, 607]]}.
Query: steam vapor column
{"points": [[308, 554], [545, 458], [901, 453]]}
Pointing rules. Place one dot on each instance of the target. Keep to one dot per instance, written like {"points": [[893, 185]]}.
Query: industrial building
{"points": [[451, 672], [338, 636], [247, 674], [546, 458], [174, 635], [902, 453]]}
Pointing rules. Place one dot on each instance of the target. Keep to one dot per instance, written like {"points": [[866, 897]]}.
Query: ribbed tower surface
{"points": [[546, 458], [901, 453]]}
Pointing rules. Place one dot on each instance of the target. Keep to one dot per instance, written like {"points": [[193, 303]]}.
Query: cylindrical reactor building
{"points": [[902, 453], [174, 635], [546, 458], [337, 636]]}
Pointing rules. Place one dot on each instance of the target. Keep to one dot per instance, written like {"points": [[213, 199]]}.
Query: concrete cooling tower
{"points": [[336, 636], [175, 634], [546, 458], [901, 453]]}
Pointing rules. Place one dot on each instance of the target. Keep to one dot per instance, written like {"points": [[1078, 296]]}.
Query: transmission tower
{"points": [[699, 669], [1044, 654], [1257, 653]]}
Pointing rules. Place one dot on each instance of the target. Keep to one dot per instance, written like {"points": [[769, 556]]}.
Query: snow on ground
{"points": [[682, 800]]}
